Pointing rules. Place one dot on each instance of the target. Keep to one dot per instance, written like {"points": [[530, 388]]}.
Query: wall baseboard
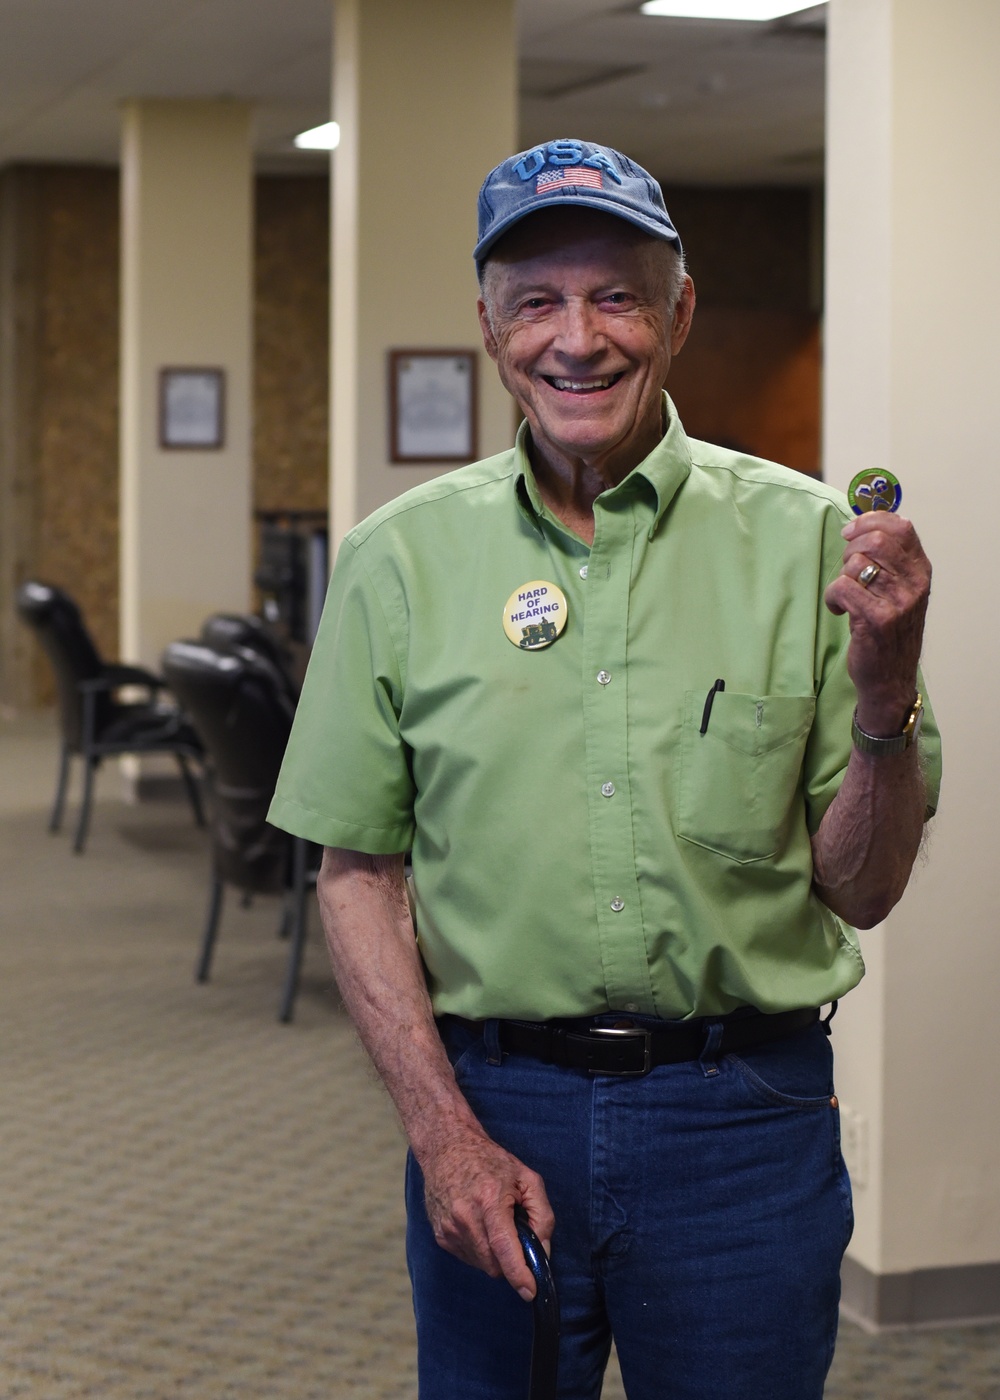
{"points": [[925, 1297]]}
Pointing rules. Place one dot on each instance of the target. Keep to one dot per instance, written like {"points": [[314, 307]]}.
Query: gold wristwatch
{"points": [[899, 743]]}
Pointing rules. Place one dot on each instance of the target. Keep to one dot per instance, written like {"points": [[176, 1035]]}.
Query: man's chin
{"points": [[588, 446]]}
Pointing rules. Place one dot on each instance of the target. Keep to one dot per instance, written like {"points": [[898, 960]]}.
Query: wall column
{"points": [[426, 98], [186, 302], [913, 303]]}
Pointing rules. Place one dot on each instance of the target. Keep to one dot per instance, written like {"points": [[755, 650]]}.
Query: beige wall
{"points": [[404, 221], [186, 301], [913, 298]]}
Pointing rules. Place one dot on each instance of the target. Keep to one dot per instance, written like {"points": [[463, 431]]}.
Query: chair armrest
{"points": [[118, 674]]}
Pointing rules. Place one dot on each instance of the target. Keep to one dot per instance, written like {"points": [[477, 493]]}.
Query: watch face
{"points": [[916, 719]]}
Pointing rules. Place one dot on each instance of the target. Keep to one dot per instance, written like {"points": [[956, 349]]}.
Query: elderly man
{"points": [[645, 712]]}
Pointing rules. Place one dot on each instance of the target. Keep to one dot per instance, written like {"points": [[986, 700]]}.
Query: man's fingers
{"points": [[540, 1215], [846, 595], [884, 523], [467, 1238], [507, 1251]]}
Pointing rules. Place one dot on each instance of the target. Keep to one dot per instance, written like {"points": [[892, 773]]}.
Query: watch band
{"points": [[898, 743]]}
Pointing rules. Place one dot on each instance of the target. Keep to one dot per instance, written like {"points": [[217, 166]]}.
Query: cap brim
{"points": [[588, 201]]}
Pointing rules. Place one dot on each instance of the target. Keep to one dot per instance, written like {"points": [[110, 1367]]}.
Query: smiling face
{"points": [[576, 313]]}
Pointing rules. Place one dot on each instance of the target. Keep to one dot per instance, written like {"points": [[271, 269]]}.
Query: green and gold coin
{"points": [[874, 490]]}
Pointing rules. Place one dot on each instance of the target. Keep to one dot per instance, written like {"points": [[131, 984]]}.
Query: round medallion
{"points": [[535, 615], [874, 490]]}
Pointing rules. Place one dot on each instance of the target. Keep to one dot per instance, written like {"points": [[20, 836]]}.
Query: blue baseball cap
{"points": [[570, 172]]}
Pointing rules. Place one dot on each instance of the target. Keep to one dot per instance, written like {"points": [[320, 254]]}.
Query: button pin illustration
{"points": [[535, 615]]}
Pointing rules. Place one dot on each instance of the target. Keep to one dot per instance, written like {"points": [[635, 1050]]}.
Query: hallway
{"points": [[198, 1201]]}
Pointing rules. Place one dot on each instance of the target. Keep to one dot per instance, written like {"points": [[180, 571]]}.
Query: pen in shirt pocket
{"points": [[706, 713]]}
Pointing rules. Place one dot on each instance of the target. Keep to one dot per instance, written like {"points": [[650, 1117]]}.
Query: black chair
{"points": [[238, 702], [95, 724], [225, 630]]}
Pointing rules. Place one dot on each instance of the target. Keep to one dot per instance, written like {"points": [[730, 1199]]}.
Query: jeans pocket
{"points": [[793, 1072], [463, 1045], [740, 780]]}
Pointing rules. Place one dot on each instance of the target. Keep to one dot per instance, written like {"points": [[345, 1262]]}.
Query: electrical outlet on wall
{"points": [[854, 1144]]}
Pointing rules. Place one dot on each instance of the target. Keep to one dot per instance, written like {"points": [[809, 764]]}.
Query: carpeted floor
{"points": [[199, 1202]]}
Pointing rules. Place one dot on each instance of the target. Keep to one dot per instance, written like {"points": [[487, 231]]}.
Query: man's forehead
{"points": [[565, 234]]}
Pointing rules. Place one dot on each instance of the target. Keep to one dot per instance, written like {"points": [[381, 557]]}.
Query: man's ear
{"points": [[683, 313], [489, 339]]}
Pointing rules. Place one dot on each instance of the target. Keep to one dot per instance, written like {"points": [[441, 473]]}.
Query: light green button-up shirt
{"points": [[579, 845]]}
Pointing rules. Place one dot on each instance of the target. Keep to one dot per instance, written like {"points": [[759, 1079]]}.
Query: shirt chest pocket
{"points": [[740, 782]]}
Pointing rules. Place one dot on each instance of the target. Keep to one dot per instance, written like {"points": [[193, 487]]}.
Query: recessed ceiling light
{"points": [[726, 9], [319, 138]]}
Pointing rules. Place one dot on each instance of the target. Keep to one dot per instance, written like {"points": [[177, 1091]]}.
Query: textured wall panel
{"points": [[291, 353]]}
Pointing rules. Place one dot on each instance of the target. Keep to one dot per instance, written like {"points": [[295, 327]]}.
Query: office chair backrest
{"points": [[225, 630], [236, 701], [60, 629]]}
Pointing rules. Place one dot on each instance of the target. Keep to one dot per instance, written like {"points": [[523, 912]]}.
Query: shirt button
{"points": [[618, 905], [608, 789], [603, 677], [631, 1006], [583, 572]]}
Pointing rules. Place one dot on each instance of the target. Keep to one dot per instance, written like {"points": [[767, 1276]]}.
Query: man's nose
{"points": [[581, 335]]}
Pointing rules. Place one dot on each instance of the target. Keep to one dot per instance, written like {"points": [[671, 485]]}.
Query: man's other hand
{"points": [[472, 1186], [886, 617]]}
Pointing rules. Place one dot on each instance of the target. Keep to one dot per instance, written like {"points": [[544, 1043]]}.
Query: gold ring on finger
{"points": [[869, 574]]}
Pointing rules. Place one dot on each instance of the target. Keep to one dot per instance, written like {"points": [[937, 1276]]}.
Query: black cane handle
{"points": [[545, 1344]]}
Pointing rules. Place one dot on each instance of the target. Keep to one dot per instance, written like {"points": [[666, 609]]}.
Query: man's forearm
{"points": [[471, 1183], [868, 840], [369, 932]]}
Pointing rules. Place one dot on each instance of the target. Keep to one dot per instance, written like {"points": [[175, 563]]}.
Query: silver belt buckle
{"points": [[627, 1033]]}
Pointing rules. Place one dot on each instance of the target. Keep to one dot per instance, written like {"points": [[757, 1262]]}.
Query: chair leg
{"points": [[211, 929], [287, 915], [298, 910], [191, 786], [55, 821], [90, 765]]}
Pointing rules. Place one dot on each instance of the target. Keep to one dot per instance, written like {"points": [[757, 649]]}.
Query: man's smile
{"points": [[592, 385]]}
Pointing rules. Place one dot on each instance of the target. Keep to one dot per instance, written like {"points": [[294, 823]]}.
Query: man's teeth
{"points": [[580, 386]]}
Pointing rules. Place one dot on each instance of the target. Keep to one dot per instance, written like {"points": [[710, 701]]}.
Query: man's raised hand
{"points": [[886, 616]]}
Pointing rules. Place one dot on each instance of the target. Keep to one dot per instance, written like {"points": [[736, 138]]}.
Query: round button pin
{"points": [[535, 615], [874, 490]]}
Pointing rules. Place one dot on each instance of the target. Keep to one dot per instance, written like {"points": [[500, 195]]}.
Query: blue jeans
{"points": [[701, 1216]]}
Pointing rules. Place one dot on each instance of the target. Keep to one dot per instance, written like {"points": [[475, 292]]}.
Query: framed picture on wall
{"points": [[192, 408], [432, 406]]}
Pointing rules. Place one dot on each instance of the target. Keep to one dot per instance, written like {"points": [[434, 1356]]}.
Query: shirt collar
{"points": [[665, 470]]}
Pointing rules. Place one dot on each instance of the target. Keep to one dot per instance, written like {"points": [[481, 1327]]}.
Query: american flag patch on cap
{"points": [[572, 175]]}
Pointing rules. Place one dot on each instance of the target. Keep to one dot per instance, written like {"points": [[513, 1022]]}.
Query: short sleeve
{"points": [[345, 780], [829, 748]]}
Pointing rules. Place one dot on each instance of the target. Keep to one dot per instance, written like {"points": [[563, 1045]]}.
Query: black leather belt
{"points": [[626, 1048]]}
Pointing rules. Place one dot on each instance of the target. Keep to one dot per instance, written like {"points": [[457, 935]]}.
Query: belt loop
{"points": [[829, 1017], [491, 1037], [711, 1048]]}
